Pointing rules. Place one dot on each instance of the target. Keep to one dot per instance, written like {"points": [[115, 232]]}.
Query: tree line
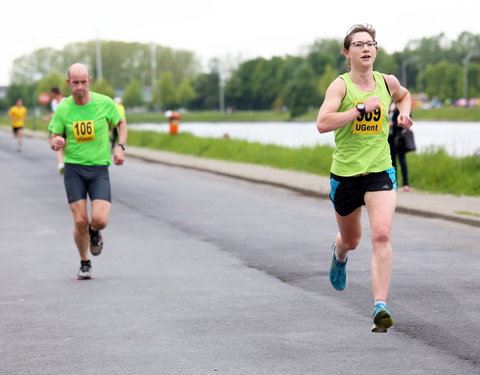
{"points": [[160, 78]]}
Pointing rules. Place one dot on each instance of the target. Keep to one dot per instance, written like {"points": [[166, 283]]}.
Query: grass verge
{"points": [[433, 171]]}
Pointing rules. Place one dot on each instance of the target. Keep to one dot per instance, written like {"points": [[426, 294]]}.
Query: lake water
{"points": [[458, 138]]}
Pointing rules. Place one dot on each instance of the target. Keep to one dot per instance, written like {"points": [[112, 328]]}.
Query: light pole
{"points": [[153, 75], [98, 55], [403, 68], [466, 60]]}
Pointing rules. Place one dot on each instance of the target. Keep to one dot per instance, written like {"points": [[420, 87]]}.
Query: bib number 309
{"points": [[369, 123], [84, 131]]}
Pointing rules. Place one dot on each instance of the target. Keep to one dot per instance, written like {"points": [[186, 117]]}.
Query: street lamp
{"points": [[98, 58], [466, 60], [403, 68]]}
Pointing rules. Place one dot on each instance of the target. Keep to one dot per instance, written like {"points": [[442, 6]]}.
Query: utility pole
{"points": [[404, 69], [153, 71], [466, 60], [99, 58]]}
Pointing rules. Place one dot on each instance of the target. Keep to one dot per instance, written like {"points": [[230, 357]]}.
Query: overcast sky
{"points": [[218, 28]]}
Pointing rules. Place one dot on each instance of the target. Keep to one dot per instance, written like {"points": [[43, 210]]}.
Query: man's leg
{"points": [[381, 207], [100, 213], [59, 159], [99, 220], [80, 232]]}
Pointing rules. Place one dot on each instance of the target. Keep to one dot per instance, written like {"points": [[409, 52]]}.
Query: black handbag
{"points": [[405, 142]]}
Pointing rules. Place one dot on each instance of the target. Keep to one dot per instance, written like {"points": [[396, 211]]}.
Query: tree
{"points": [[325, 80], [300, 91], [443, 80], [186, 93], [132, 97], [120, 62], [205, 86], [323, 47], [165, 95], [24, 92], [385, 63], [101, 86], [53, 79]]}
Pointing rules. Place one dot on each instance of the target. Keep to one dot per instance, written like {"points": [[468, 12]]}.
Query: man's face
{"points": [[79, 82]]}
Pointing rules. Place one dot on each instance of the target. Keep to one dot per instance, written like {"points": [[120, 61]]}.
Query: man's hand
{"points": [[57, 142], [118, 156]]}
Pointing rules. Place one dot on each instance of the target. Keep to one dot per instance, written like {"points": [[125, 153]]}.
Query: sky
{"points": [[230, 30]]}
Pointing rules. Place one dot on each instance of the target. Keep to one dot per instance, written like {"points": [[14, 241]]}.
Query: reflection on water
{"points": [[458, 138]]}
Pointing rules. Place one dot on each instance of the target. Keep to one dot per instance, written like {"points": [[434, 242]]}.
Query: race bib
{"points": [[369, 123], [84, 131]]}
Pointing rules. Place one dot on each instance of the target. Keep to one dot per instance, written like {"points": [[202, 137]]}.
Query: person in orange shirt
{"points": [[18, 114]]}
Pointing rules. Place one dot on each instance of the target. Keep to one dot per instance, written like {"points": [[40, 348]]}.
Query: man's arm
{"points": [[57, 142], [119, 154]]}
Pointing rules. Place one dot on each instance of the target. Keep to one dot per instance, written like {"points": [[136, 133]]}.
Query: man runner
{"points": [[80, 126]]}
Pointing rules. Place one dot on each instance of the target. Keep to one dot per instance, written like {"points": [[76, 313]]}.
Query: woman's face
{"points": [[362, 50]]}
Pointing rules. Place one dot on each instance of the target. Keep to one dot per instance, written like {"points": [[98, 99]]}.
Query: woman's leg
{"points": [[381, 207], [403, 164]]}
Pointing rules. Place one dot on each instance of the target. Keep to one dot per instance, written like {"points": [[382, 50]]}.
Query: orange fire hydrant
{"points": [[174, 122]]}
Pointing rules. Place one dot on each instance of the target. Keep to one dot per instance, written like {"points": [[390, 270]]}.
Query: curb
{"points": [[429, 205]]}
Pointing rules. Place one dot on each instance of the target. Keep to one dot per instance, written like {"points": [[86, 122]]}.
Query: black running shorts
{"points": [[347, 193], [82, 179]]}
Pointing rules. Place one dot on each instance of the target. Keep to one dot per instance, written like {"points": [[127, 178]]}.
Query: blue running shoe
{"points": [[338, 272], [382, 319]]}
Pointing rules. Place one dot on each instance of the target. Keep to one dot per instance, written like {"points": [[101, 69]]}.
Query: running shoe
{"points": [[85, 271], [96, 241], [338, 271], [382, 319]]}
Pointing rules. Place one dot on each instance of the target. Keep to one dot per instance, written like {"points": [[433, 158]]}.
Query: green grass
{"points": [[436, 171], [309, 159], [467, 213], [211, 116], [447, 114], [433, 171]]}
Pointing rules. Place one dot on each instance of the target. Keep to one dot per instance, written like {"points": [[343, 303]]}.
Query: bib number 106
{"points": [[84, 131]]}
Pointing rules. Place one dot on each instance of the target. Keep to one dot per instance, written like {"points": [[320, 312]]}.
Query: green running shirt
{"points": [[86, 129], [361, 146]]}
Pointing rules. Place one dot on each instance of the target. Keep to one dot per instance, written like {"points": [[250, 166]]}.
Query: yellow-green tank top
{"points": [[361, 146]]}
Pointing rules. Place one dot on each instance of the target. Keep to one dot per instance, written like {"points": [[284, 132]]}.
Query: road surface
{"points": [[203, 274]]}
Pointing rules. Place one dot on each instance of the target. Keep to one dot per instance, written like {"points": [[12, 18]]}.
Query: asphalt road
{"points": [[203, 274]]}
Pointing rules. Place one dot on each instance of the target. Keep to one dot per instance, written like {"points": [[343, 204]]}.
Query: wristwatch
{"points": [[361, 108], [122, 146]]}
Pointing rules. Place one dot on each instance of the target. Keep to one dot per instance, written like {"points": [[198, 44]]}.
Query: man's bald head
{"points": [[78, 69], [79, 81]]}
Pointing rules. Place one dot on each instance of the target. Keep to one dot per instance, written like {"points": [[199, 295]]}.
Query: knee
{"points": [[381, 235], [351, 244], [99, 222], [81, 222]]}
